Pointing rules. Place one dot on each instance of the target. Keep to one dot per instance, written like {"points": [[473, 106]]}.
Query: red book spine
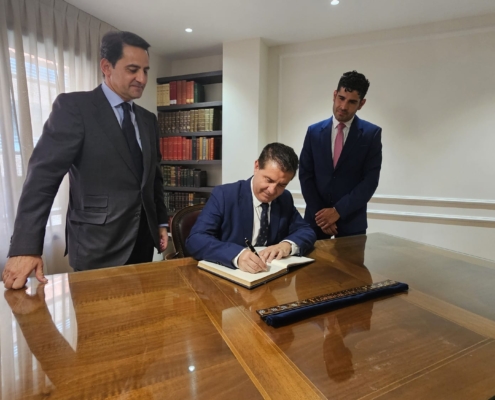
{"points": [[176, 147], [173, 92]]}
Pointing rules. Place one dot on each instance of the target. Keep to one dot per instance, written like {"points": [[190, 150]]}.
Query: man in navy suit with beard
{"points": [[340, 164]]}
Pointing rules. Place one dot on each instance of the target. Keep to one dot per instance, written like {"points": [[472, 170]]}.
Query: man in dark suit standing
{"points": [[340, 164], [258, 209], [109, 146]]}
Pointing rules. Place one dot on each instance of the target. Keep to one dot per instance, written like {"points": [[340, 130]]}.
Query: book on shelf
{"points": [[199, 178], [199, 93], [202, 120], [276, 269], [179, 176], [173, 93], [174, 201], [163, 95], [179, 93], [181, 148]]}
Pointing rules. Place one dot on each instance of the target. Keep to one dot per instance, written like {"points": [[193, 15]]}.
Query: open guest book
{"points": [[275, 269]]}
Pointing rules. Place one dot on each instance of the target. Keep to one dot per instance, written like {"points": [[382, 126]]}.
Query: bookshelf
{"points": [[182, 147]]}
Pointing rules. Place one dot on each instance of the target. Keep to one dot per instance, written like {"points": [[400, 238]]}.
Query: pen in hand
{"points": [[250, 247]]}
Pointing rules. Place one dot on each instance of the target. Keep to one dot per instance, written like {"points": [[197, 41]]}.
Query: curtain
{"points": [[47, 47]]}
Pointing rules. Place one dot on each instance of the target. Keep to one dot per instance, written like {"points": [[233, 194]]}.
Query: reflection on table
{"points": [[170, 330]]}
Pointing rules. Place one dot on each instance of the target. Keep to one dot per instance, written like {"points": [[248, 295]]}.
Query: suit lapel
{"points": [[326, 143], [110, 127], [353, 136], [145, 135], [246, 209]]}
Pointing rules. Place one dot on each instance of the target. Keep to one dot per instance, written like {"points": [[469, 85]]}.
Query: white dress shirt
{"points": [[257, 223], [115, 101]]}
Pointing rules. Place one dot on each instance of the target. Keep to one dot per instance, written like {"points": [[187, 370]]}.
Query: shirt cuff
{"points": [[294, 247], [235, 260]]}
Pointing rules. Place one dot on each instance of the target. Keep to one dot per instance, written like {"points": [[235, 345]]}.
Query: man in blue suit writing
{"points": [[340, 164], [257, 209]]}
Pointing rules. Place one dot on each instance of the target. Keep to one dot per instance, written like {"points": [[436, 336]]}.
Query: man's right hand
{"points": [[250, 262], [18, 268], [331, 230]]}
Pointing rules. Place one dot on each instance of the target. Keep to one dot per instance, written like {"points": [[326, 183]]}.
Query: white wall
{"points": [[245, 74], [196, 65], [433, 93]]}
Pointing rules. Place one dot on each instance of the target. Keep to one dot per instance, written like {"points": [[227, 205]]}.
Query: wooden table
{"points": [[167, 330]]}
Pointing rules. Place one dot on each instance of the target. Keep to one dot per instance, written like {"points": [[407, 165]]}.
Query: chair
{"points": [[181, 225]]}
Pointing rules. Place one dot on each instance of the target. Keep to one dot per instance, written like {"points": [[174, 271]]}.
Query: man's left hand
{"points": [[277, 251], [326, 217], [163, 238]]}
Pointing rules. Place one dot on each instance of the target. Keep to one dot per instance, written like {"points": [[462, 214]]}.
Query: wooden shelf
{"points": [[193, 106], [204, 189], [193, 134], [204, 78], [191, 162]]}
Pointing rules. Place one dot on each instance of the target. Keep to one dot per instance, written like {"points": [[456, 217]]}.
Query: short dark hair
{"points": [[112, 44], [353, 80], [283, 155]]}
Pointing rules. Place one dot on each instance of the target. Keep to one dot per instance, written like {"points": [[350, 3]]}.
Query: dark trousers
{"points": [[144, 246]]}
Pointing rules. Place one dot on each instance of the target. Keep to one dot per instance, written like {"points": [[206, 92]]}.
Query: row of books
{"points": [[174, 201], [195, 148], [202, 120], [176, 175], [179, 92]]}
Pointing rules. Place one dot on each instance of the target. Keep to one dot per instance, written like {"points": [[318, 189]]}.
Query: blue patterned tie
{"points": [[263, 233]]}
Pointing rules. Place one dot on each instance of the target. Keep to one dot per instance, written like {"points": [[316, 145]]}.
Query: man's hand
{"points": [[332, 230], [277, 251], [22, 303], [18, 268], [163, 238], [250, 262], [326, 217]]}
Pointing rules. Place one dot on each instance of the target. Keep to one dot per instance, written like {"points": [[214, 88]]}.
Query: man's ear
{"points": [[256, 165], [105, 66], [362, 103]]}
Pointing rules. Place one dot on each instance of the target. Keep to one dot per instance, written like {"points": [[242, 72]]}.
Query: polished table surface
{"points": [[169, 330]]}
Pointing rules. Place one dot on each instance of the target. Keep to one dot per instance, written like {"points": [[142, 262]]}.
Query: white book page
{"points": [[285, 262], [247, 276]]}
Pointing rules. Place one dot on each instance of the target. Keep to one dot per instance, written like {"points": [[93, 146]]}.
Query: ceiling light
{"points": [[334, 2], [189, 30]]}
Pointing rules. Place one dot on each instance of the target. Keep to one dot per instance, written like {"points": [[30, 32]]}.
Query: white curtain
{"points": [[47, 47]]}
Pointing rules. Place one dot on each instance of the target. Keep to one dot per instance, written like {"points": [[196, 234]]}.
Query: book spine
{"points": [[173, 92]]}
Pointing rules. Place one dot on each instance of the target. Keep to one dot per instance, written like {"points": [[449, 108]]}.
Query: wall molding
{"points": [[433, 201], [419, 216], [432, 218]]}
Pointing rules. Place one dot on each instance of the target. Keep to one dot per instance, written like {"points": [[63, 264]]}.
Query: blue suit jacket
{"points": [[227, 219], [351, 184]]}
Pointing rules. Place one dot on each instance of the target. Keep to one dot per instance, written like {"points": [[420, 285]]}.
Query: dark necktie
{"points": [[263, 234], [130, 136]]}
